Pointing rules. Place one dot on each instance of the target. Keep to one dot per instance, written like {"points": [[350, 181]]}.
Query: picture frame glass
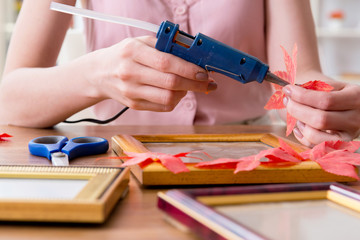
{"points": [[60, 193], [206, 151], [302, 219], [40, 188]]}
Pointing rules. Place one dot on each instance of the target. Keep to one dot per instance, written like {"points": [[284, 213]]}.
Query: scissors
{"points": [[60, 150]]}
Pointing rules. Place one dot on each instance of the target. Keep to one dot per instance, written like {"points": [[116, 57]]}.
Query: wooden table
{"points": [[136, 216]]}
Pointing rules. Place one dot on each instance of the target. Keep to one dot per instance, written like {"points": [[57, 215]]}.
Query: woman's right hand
{"points": [[136, 74]]}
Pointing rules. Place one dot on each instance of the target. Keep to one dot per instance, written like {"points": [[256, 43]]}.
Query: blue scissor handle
{"points": [[44, 146], [84, 146]]}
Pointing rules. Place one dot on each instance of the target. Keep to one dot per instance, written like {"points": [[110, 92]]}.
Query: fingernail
{"points": [[300, 125], [202, 76], [211, 86], [285, 101], [297, 133], [286, 91]]}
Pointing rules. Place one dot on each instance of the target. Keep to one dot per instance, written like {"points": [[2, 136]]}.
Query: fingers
{"points": [[344, 97], [168, 63], [153, 99], [324, 116], [148, 40], [310, 136], [144, 78], [324, 120], [170, 81], [144, 97]]}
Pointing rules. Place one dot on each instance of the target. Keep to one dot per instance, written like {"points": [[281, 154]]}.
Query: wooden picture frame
{"points": [[274, 211], [224, 144], [60, 194]]}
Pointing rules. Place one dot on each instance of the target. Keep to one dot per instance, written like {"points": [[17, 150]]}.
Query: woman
{"points": [[123, 68]]}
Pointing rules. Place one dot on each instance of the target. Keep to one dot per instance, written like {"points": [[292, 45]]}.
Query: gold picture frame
{"points": [[261, 212], [224, 145], [60, 194]]}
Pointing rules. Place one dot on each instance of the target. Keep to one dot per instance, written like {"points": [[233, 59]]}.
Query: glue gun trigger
{"points": [[239, 77]]}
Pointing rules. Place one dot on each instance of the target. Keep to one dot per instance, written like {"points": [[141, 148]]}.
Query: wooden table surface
{"points": [[136, 216]]}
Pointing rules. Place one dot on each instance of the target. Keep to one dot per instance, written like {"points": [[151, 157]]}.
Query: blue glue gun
{"points": [[201, 50], [213, 55]]}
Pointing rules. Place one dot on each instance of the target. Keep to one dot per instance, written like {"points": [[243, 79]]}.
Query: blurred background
{"points": [[74, 44], [337, 26]]}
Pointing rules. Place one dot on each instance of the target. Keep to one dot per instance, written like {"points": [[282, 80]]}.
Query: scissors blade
{"points": [[59, 159], [270, 77]]}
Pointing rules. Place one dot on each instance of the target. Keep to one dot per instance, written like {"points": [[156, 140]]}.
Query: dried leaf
{"points": [[221, 163], [247, 164], [327, 147], [287, 148], [351, 146], [172, 162], [290, 123], [336, 157], [277, 155], [290, 63], [276, 100], [4, 136], [333, 164], [318, 85], [343, 156]]}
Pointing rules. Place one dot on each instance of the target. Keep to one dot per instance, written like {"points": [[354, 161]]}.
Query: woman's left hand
{"points": [[324, 116]]}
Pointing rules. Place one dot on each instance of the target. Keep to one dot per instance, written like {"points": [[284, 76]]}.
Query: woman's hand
{"points": [[324, 116], [134, 73]]}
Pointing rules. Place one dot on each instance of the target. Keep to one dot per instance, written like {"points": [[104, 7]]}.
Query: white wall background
{"points": [[339, 48], [2, 39]]}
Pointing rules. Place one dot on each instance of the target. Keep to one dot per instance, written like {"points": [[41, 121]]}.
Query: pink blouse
{"points": [[238, 23]]}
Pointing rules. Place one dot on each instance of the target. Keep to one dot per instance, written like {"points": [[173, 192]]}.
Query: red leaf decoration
{"points": [[172, 162], [275, 157], [287, 148], [279, 155], [290, 124], [317, 85], [336, 157], [247, 164], [4, 136], [276, 100], [221, 163], [340, 163], [342, 145], [290, 63]]}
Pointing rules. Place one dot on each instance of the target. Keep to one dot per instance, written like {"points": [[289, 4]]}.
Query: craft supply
{"points": [[276, 100], [201, 50], [153, 171], [60, 150], [60, 194], [261, 212], [4, 136], [336, 157]]}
